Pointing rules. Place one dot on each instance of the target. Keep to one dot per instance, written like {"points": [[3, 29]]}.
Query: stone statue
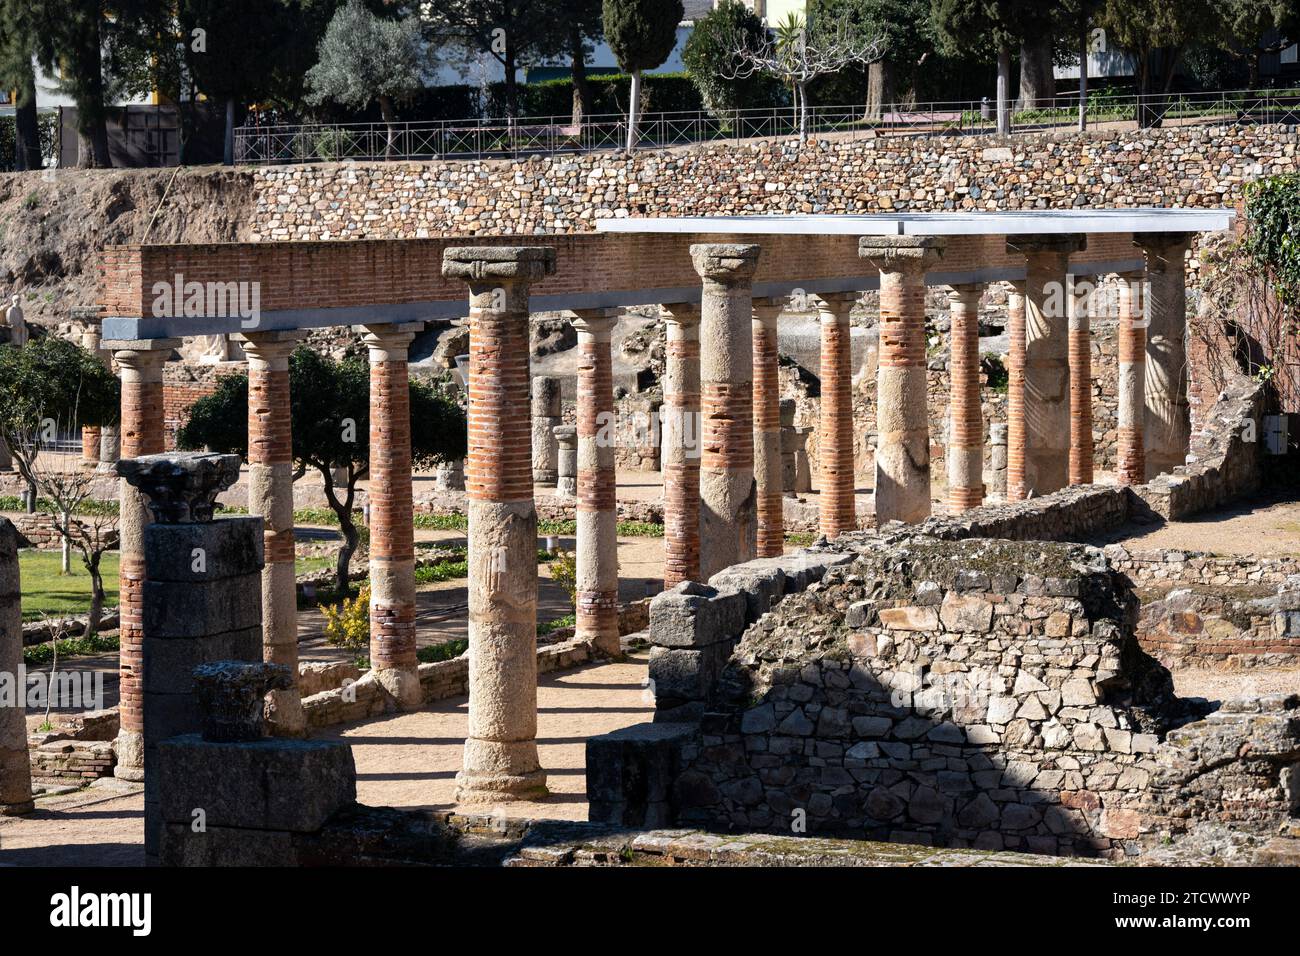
{"points": [[16, 322]]}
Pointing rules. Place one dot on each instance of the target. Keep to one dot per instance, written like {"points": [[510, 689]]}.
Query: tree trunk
{"points": [[228, 154], [880, 88], [92, 127], [1083, 79], [511, 82], [1004, 87], [1037, 82], [803, 111], [343, 511], [633, 110], [65, 559], [390, 120], [31, 496], [96, 598], [581, 88], [27, 128]]}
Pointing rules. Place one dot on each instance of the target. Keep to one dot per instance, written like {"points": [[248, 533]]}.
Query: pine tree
{"points": [[642, 34]]}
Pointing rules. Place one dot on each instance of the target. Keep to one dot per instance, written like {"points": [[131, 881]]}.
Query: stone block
{"points": [[685, 673], [631, 772], [204, 552], [184, 610], [760, 582], [169, 664], [696, 615], [270, 784], [224, 846]]}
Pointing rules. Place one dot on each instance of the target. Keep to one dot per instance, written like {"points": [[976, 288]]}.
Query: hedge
{"points": [[49, 133]]}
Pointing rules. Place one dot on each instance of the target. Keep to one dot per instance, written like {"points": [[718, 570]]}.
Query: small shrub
{"points": [[442, 652], [564, 572], [347, 624]]}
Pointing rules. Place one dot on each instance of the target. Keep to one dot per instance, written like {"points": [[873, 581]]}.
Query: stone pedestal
{"points": [[501, 750], [728, 510], [1167, 426], [1130, 466], [681, 428], [566, 456], [140, 432], [965, 414], [15, 765], [597, 513], [1047, 369], [903, 450], [836, 513], [392, 511], [201, 596], [546, 415], [767, 428], [1081, 294]]}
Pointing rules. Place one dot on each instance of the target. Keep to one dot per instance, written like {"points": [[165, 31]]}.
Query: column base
{"points": [[509, 772], [284, 714], [402, 684], [17, 809], [129, 748]]}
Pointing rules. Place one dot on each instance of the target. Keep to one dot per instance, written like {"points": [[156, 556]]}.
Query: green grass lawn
{"points": [[44, 589]]}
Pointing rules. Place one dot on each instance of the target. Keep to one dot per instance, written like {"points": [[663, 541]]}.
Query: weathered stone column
{"points": [[270, 494], [965, 414], [597, 512], [546, 415], [835, 504], [1130, 465], [998, 458], [903, 452], [1168, 418], [501, 751], [1081, 299], [140, 432], [1047, 367], [566, 457], [109, 449], [728, 511], [15, 763], [1017, 488], [767, 428], [392, 512], [202, 597], [681, 427]]}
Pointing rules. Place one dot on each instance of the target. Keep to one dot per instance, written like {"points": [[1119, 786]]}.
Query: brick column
{"points": [[1081, 294], [1017, 488], [681, 428], [270, 494], [15, 761], [1130, 467], [836, 512], [1047, 367], [902, 423], [965, 414], [768, 482], [597, 511], [501, 751], [90, 439], [140, 432], [392, 532], [728, 511], [1168, 418]]}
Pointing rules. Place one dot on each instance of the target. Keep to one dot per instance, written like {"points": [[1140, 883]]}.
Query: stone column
{"points": [[1017, 488], [767, 428], [681, 429], [546, 415], [1168, 418], [392, 530], [965, 414], [835, 504], [1047, 368], [566, 458], [1081, 298], [597, 512], [270, 495], [140, 432], [1130, 466], [501, 751], [108, 445], [15, 763], [202, 596], [728, 511], [998, 458], [902, 423]]}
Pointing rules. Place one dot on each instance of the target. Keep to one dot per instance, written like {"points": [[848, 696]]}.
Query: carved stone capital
{"points": [[180, 488]]}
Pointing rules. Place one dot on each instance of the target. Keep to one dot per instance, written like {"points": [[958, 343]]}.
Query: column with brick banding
{"points": [[965, 415], [728, 510], [680, 423], [1081, 299], [768, 482], [140, 364], [270, 494], [903, 449], [1167, 427], [836, 513], [597, 511], [1130, 453], [1047, 368], [392, 531], [500, 761], [1016, 486]]}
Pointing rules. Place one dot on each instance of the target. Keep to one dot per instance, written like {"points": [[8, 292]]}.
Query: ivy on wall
{"points": [[1273, 237]]}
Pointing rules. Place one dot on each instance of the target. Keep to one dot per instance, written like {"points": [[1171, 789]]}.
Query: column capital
{"points": [[143, 356], [967, 294], [835, 303], [767, 309], [681, 313], [389, 341], [498, 264], [902, 253], [1162, 242], [1057, 244], [269, 346], [727, 263], [598, 322]]}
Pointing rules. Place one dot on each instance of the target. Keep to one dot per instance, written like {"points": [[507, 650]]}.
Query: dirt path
{"points": [[1265, 528], [100, 826]]}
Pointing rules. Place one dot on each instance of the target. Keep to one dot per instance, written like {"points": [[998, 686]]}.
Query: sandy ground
{"points": [[1268, 527]]}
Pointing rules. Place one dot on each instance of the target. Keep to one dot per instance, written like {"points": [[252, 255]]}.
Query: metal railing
{"points": [[553, 135]]}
